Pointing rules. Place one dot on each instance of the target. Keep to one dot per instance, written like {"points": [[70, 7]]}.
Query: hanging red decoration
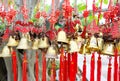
{"points": [[85, 14], [84, 32], [84, 69], [67, 9], [72, 68], [24, 68], [62, 65], [24, 10], [119, 68], [115, 65], [37, 15], [43, 67], [109, 70], [53, 71], [69, 56], [92, 67], [37, 67], [14, 65], [99, 66]]}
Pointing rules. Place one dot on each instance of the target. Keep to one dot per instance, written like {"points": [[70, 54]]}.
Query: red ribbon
{"points": [[73, 66], [115, 65], [53, 71], [43, 67], [92, 67], [66, 68], [84, 69], [119, 68], [24, 68], [62, 66], [37, 67], [69, 56], [99, 63], [14, 65], [109, 70]]}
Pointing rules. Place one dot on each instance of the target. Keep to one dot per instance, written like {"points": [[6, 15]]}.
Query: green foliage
{"points": [[105, 2], [81, 7]]}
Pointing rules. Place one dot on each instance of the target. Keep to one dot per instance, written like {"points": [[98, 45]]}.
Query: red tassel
{"points": [[24, 68], [62, 61], [109, 70], [119, 68], [53, 71], [84, 69], [14, 65], [43, 67], [69, 65], [92, 67], [73, 67], [66, 68], [37, 67], [115, 65], [99, 68]]}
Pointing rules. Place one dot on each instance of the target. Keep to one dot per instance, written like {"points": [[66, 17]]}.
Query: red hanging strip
{"points": [[84, 69], [115, 65], [72, 68], [92, 68], [66, 68], [37, 67], [53, 71], [119, 68], [24, 68], [14, 65], [109, 70], [75, 61], [99, 65], [62, 61], [69, 56], [43, 67]]}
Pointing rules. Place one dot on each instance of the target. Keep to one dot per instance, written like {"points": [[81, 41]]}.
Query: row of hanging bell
{"points": [[6, 51]]}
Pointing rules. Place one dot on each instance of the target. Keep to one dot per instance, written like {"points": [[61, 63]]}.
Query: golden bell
{"points": [[43, 43], [73, 46], [62, 37], [12, 42], [51, 52], [93, 44], [23, 44], [100, 43], [108, 49], [35, 44], [84, 49], [118, 47], [5, 52]]}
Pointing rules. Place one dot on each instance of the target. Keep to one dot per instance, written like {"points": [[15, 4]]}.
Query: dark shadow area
{"points": [[3, 71]]}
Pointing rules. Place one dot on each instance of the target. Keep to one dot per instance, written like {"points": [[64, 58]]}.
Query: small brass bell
{"points": [[84, 48], [5, 52], [93, 44], [108, 49], [73, 46], [35, 44], [23, 44], [12, 42], [51, 52], [100, 41], [62, 37], [118, 47], [43, 43]]}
